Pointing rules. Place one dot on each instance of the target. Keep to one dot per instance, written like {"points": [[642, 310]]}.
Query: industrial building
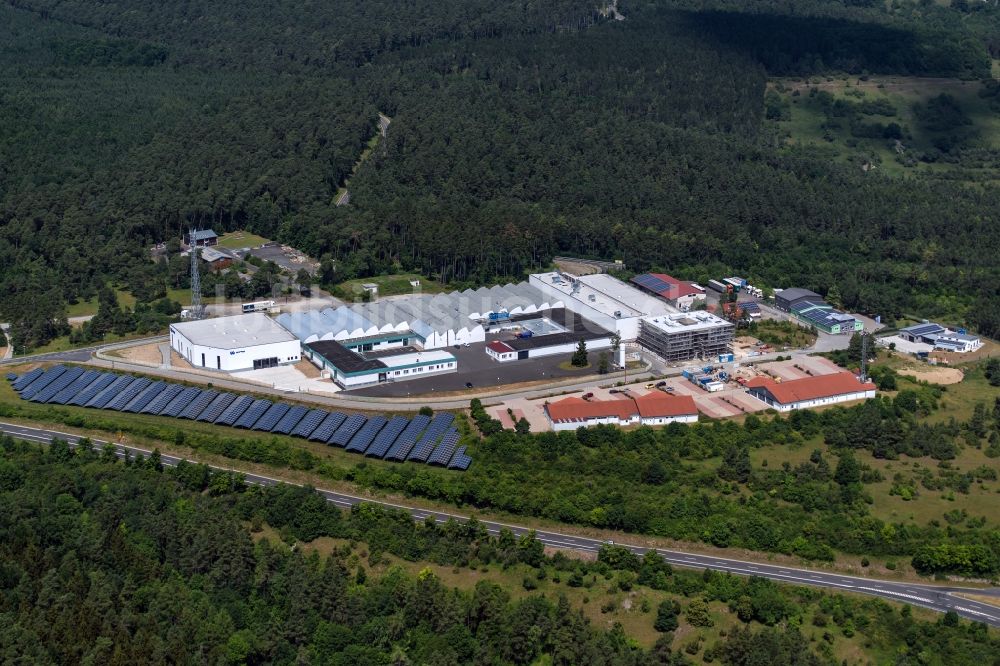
{"points": [[231, 344], [682, 295], [825, 317], [610, 303], [652, 409], [201, 238], [939, 337], [217, 258], [788, 298], [809, 392], [685, 336], [430, 322], [350, 368], [558, 332]]}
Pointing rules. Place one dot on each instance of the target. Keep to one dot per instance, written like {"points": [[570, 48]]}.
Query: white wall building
{"points": [[602, 299], [816, 391], [231, 344], [350, 369]]}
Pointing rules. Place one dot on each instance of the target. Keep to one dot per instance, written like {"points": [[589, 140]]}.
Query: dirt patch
{"points": [[307, 369], [141, 355], [934, 375], [178, 361], [574, 268], [583, 555]]}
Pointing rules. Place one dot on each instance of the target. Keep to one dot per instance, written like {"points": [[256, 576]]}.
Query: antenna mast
{"points": [[864, 356], [197, 310]]}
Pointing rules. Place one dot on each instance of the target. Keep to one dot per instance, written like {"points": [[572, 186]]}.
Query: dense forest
{"points": [[104, 562], [520, 131]]}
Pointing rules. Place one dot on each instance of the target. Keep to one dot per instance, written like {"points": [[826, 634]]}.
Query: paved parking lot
{"points": [[482, 371]]}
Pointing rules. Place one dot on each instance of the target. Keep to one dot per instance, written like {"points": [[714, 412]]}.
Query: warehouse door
{"points": [[265, 363], [522, 354]]}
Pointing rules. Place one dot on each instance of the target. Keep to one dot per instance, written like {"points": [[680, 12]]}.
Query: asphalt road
{"points": [[941, 599], [81, 355]]}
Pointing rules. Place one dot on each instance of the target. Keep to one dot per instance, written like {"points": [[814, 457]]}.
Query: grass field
{"points": [[781, 333], [86, 308], [238, 239], [388, 285], [806, 126], [125, 299]]}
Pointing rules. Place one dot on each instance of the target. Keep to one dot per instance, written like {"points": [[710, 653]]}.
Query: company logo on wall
{"points": [[234, 352]]}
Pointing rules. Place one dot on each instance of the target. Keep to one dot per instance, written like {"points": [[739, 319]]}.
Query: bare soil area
{"points": [[934, 375], [307, 369], [143, 354], [178, 361]]}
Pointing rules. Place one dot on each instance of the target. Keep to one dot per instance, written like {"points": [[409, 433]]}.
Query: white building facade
{"points": [[232, 344]]}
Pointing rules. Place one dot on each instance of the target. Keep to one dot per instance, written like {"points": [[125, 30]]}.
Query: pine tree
{"points": [[580, 359]]}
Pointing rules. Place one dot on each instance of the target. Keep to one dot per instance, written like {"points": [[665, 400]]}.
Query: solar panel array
{"points": [[360, 442], [423, 449], [398, 438], [460, 461], [652, 283]]}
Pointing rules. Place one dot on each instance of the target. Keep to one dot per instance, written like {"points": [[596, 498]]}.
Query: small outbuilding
{"points": [[201, 238]]}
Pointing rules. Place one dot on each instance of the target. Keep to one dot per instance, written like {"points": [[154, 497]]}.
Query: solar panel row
{"points": [[291, 419], [652, 283], [387, 436], [345, 432], [309, 423], [445, 450], [404, 444], [325, 430], [398, 438], [460, 460], [253, 413], [366, 434]]}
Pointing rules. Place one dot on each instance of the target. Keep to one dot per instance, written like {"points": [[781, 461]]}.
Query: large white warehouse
{"points": [[231, 344], [430, 322], [602, 299]]}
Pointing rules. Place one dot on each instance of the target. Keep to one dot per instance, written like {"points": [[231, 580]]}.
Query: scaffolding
{"points": [[684, 337]]}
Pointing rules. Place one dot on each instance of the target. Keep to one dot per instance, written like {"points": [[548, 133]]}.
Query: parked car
{"points": [[661, 384], [588, 396]]}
